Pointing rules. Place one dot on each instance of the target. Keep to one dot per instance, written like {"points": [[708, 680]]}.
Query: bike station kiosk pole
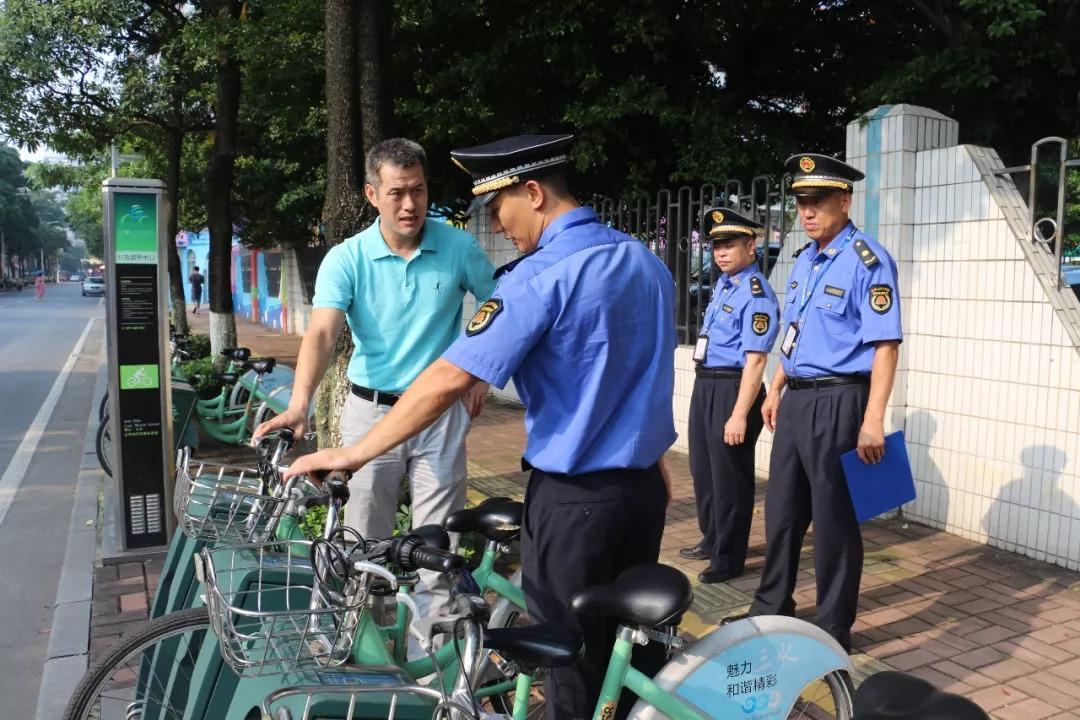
{"points": [[139, 365]]}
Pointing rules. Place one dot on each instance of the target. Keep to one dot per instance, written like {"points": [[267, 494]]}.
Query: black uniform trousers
{"points": [[806, 482], [723, 474], [581, 531]]}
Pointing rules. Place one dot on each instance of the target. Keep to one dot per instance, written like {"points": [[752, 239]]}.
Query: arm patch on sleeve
{"points": [[760, 323], [483, 317], [881, 298]]}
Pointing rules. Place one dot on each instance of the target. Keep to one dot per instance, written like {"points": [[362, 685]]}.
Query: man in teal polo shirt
{"points": [[400, 283]]}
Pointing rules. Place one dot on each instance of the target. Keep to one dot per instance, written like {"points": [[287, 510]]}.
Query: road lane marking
{"points": [[20, 461]]}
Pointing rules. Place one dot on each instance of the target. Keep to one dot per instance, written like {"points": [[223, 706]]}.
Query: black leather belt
{"points": [[379, 398], [718, 373], [797, 383]]}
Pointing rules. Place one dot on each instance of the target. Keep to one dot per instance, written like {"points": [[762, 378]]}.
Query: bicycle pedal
{"points": [[508, 668]]}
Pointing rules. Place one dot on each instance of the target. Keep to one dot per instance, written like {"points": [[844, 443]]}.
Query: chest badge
{"points": [[483, 317], [834, 291], [881, 298], [760, 323], [728, 308]]}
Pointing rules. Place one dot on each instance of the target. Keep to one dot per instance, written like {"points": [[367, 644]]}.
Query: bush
{"points": [[200, 375], [197, 346]]}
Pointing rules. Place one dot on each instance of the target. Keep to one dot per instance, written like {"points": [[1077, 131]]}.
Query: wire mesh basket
{"points": [[361, 693], [224, 503], [270, 614]]}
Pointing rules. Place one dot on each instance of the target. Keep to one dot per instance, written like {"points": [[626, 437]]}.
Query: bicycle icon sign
{"points": [[138, 377]]}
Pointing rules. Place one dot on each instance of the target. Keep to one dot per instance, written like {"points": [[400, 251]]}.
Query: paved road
{"points": [[37, 340]]}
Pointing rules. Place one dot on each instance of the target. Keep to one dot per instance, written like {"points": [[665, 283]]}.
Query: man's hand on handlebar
{"points": [[294, 419], [324, 460]]}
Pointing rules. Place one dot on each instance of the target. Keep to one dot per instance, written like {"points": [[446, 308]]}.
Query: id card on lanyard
{"points": [[792, 333], [701, 349]]}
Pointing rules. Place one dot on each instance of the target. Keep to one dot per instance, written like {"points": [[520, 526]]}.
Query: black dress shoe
{"points": [[697, 552], [713, 576]]}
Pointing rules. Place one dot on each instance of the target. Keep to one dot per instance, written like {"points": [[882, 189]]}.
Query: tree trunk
{"points": [[219, 182], [344, 206], [175, 147], [373, 55]]}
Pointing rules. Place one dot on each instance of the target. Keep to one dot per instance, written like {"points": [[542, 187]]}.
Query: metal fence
{"points": [[1052, 181], [671, 224]]}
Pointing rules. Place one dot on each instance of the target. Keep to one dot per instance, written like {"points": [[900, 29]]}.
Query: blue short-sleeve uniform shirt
{"points": [[845, 298], [742, 316], [402, 313], [585, 326]]}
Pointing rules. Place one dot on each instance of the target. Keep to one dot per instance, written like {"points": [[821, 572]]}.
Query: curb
{"points": [[69, 640]]}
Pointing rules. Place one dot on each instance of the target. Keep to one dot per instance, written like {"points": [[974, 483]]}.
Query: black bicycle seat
{"points": [[237, 354], [650, 594], [262, 365], [497, 519], [546, 645], [893, 695], [227, 378]]}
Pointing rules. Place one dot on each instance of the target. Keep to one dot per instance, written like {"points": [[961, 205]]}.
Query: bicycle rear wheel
{"points": [[828, 698], [147, 673], [104, 446]]}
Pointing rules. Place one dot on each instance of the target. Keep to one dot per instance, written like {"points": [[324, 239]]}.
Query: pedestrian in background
{"points": [[196, 279], [39, 285]]}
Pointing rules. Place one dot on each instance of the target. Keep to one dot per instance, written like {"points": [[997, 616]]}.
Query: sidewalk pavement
{"points": [[1000, 628]]}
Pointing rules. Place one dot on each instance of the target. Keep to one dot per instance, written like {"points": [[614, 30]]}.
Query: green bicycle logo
{"points": [[138, 377]]}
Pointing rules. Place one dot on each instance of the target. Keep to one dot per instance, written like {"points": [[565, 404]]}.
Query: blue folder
{"points": [[883, 486]]}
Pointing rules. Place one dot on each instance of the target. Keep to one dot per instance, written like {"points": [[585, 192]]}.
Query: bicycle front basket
{"points": [[224, 503], [267, 616]]}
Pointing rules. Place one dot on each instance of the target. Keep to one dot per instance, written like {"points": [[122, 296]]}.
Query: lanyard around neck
{"points": [[808, 287]]}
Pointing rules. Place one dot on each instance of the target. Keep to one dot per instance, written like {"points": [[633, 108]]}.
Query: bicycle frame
{"points": [[621, 675]]}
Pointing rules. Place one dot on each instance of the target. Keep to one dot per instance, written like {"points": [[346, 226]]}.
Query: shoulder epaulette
{"points": [[802, 248], [507, 267], [869, 259], [755, 286]]}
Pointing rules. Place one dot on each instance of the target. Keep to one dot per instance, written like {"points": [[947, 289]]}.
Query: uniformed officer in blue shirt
{"points": [[737, 334], [839, 344], [584, 324]]}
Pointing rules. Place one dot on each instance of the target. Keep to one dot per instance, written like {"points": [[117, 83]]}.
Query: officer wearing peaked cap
{"points": [[739, 329], [839, 344], [591, 353]]}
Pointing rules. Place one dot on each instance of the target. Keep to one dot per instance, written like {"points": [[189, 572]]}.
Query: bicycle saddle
{"points": [[497, 519], [262, 365], [238, 354], [227, 378], [650, 594], [895, 696], [546, 645]]}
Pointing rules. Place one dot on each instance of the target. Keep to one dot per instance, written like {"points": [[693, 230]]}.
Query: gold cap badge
{"points": [[717, 216], [806, 164]]}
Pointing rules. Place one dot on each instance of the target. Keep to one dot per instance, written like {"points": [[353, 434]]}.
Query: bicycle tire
{"points": [[103, 446], [103, 408], [85, 702]]}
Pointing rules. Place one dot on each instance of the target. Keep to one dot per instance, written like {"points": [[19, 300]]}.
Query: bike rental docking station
{"points": [[139, 521]]}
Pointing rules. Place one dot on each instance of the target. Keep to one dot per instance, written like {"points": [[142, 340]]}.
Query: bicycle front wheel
{"points": [[828, 698], [147, 674], [104, 446]]}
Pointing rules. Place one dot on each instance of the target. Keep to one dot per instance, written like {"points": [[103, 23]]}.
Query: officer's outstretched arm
{"points": [[435, 390], [882, 373]]}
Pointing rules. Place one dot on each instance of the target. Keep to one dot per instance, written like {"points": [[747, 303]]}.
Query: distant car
{"points": [[93, 286], [75, 277]]}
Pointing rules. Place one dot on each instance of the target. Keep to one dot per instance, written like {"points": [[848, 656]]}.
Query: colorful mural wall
{"points": [[255, 278]]}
